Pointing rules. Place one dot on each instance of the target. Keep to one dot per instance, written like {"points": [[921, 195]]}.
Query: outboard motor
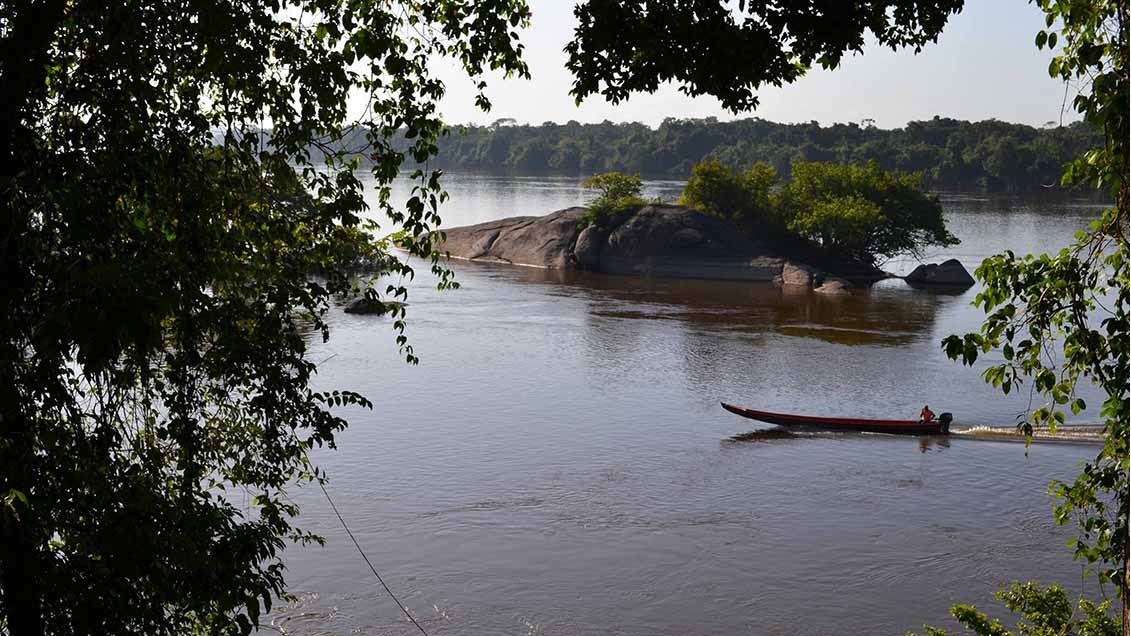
{"points": [[945, 419]]}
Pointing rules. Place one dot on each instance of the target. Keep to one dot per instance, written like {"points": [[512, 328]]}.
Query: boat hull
{"points": [[895, 427]]}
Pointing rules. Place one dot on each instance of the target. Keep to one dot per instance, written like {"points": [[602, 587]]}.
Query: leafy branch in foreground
{"points": [[1043, 612], [1062, 320], [176, 218]]}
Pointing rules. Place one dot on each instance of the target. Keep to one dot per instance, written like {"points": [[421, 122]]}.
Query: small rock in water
{"points": [[834, 286], [950, 272], [368, 306], [797, 274]]}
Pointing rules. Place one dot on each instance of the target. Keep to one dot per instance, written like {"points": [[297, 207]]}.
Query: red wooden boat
{"points": [[940, 426]]}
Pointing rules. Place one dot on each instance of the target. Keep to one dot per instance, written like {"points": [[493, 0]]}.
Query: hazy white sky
{"points": [[984, 66]]}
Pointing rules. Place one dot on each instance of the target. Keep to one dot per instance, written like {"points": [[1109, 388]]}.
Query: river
{"points": [[558, 464]]}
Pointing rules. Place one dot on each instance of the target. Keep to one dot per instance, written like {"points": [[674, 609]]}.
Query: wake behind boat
{"points": [[941, 426]]}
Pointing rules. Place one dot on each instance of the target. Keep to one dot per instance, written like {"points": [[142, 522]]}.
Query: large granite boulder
{"points": [[950, 273], [539, 241]]}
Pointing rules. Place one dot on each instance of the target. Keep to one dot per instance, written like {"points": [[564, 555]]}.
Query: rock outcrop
{"points": [[950, 273], [678, 242], [666, 241], [537, 241]]}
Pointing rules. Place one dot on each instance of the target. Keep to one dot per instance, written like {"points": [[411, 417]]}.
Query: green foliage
{"points": [[1044, 612], [759, 182], [862, 211], [636, 45], [855, 213], [617, 195], [986, 155], [1094, 51], [716, 189], [157, 253], [613, 186], [842, 225], [745, 199]]}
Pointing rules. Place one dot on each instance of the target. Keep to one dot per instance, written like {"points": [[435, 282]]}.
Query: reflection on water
{"points": [[932, 442], [767, 434], [885, 315], [558, 463]]}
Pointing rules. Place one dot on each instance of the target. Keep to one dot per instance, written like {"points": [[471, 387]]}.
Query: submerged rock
{"points": [[950, 272]]}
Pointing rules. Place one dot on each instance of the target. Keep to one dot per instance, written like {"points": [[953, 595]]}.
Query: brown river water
{"points": [[558, 463]]}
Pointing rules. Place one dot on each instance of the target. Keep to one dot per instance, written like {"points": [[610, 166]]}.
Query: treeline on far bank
{"points": [[951, 154]]}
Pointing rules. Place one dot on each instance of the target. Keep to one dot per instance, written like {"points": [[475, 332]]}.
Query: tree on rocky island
{"points": [[617, 195], [746, 199], [862, 212], [854, 213], [168, 184]]}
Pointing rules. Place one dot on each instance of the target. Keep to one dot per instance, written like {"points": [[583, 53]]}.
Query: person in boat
{"points": [[926, 415]]}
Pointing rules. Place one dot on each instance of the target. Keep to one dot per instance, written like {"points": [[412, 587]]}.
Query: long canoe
{"points": [[898, 427]]}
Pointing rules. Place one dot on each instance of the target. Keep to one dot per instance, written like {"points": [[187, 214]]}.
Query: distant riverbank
{"points": [[992, 156]]}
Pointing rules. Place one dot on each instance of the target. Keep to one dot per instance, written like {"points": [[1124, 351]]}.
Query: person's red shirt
{"points": [[926, 415]]}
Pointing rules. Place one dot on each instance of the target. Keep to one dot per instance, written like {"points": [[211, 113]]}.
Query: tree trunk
{"points": [[20, 547], [24, 52]]}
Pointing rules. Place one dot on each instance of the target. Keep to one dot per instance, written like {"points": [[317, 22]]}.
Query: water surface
{"points": [[558, 463]]}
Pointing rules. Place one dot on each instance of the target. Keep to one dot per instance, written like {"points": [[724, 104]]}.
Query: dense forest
{"points": [[951, 154]]}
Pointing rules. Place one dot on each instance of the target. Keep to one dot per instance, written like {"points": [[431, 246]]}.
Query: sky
{"points": [[984, 66]]}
